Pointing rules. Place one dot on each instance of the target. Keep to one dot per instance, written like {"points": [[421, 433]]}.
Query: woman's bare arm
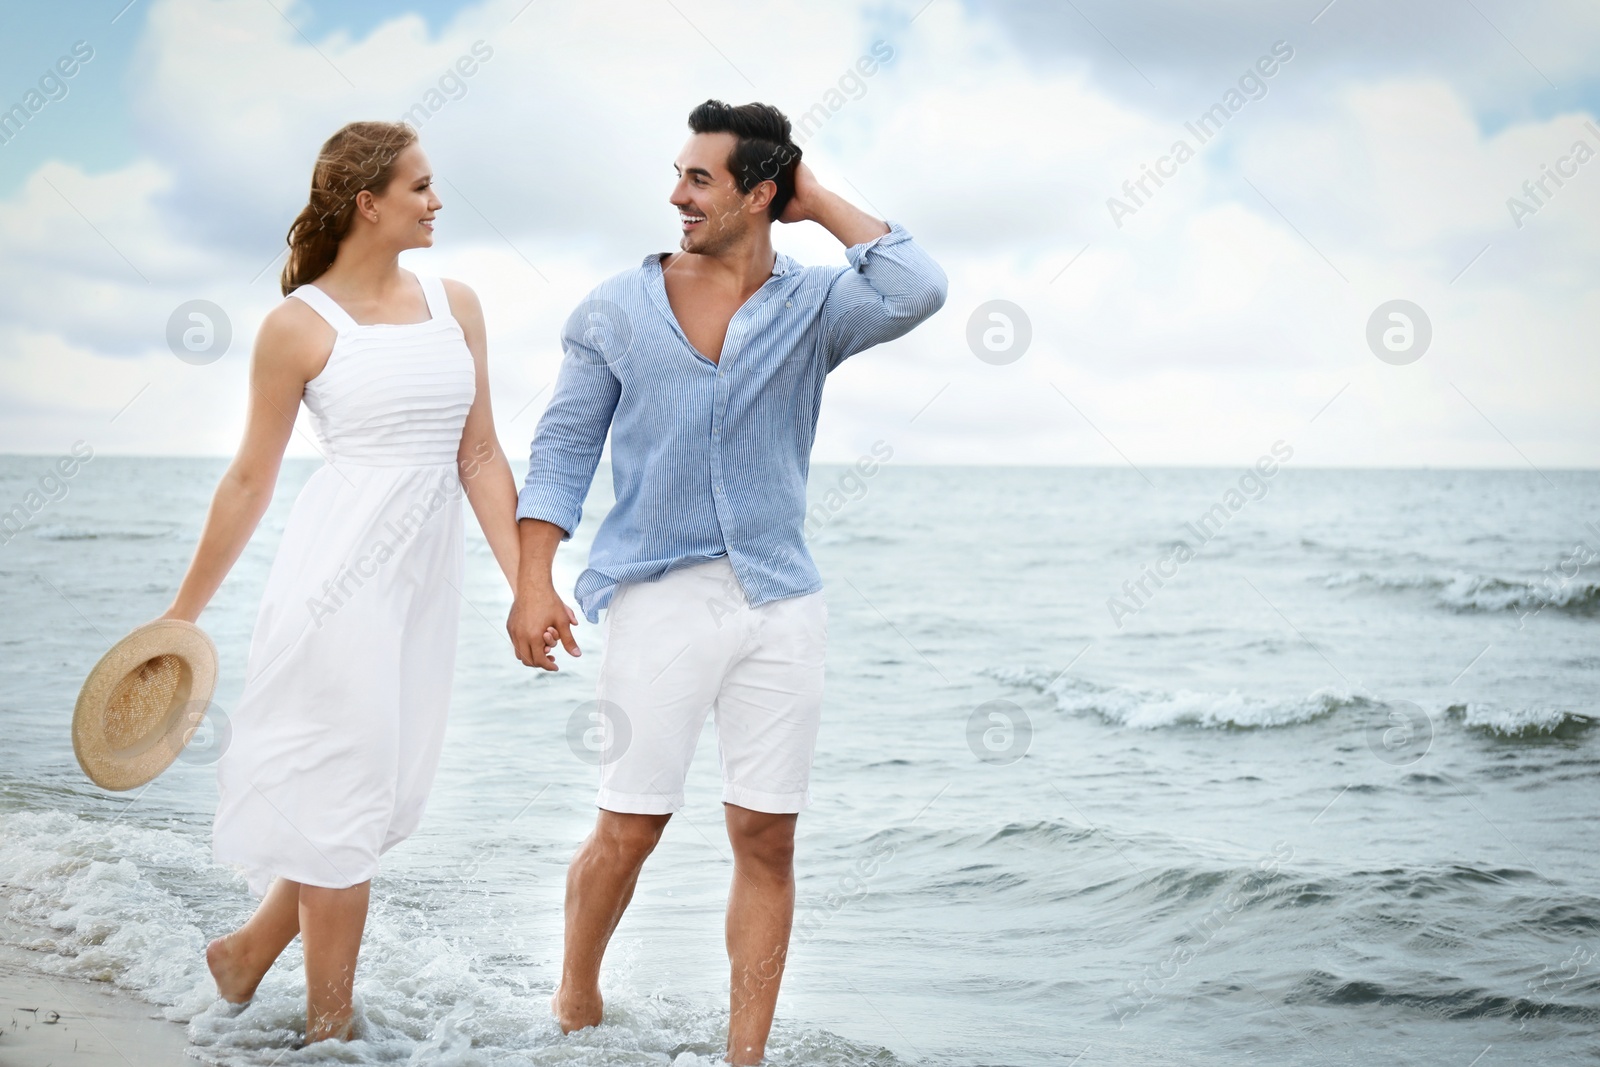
{"points": [[290, 350], [485, 472]]}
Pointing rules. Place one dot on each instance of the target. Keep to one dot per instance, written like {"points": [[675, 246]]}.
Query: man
{"points": [[707, 366]]}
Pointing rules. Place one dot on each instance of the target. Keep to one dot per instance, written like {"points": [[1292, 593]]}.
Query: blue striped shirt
{"points": [[710, 459]]}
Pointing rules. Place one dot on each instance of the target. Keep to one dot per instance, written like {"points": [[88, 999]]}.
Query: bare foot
{"points": [[236, 979], [333, 1027], [575, 1011]]}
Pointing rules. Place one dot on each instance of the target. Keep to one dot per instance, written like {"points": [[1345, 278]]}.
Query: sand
{"points": [[67, 1022]]}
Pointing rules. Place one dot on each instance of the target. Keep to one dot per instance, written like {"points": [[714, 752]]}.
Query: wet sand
{"points": [[68, 1022]]}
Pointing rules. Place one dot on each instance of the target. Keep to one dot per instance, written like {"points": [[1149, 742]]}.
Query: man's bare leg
{"points": [[600, 883], [760, 913], [239, 960]]}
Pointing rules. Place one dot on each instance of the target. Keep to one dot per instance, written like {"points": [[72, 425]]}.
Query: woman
{"points": [[337, 735]]}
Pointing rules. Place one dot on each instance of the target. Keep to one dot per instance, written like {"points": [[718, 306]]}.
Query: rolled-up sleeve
{"points": [[571, 434], [891, 287]]}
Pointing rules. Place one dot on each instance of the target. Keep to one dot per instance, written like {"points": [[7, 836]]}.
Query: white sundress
{"points": [[336, 737]]}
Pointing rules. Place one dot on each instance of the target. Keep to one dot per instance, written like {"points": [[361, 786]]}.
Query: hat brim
{"points": [[125, 763]]}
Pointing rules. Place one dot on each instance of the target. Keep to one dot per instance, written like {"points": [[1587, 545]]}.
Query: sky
{"points": [[1351, 252]]}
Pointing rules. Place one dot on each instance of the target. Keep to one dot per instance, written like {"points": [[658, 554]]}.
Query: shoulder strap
{"points": [[326, 306], [433, 292]]}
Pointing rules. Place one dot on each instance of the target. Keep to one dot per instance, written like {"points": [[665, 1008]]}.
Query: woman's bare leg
{"points": [[239, 960], [331, 924]]}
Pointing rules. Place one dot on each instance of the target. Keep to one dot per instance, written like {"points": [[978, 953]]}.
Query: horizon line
{"points": [[605, 461]]}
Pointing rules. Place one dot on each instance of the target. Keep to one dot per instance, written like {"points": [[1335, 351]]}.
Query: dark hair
{"points": [[360, 156], [764, 151]]}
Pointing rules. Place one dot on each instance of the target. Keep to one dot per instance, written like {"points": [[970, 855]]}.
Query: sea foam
{"points": [[1148, 708], [107, 900], [1463, 591]]}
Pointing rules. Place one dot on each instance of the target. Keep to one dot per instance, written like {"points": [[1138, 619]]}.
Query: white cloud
{"points": [[1199, 332]]}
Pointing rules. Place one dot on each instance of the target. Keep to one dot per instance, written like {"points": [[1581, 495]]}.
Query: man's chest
{"points": [[703, 315]]}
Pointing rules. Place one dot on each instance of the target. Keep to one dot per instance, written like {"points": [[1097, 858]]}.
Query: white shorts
{"points": [[688, 644]]}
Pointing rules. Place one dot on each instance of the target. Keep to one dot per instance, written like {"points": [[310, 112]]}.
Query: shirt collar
{"points": [[781, 264]]}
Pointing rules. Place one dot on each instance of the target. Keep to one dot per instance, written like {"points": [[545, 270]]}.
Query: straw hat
{"points": [[142, 702]]}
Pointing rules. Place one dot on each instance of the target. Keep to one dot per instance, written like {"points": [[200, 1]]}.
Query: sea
{"points": [[1117, 767]]}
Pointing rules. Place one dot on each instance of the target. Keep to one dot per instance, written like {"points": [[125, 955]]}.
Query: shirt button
{"points": [[788, 303]]}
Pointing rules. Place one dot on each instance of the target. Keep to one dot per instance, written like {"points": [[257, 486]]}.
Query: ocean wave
{"points": [[134, 906], [94, 896], [1519, 722], [845, 535], [995, 869], [1037, 834], [1150, 709], [60, 532], [1447, 999], [1461, 591]]}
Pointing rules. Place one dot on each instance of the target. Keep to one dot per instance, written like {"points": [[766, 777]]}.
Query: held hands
{"points": [[537, 623]]}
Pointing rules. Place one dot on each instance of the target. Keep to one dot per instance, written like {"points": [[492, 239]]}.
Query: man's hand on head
{"points": [[812, 203], [806, 190]]}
